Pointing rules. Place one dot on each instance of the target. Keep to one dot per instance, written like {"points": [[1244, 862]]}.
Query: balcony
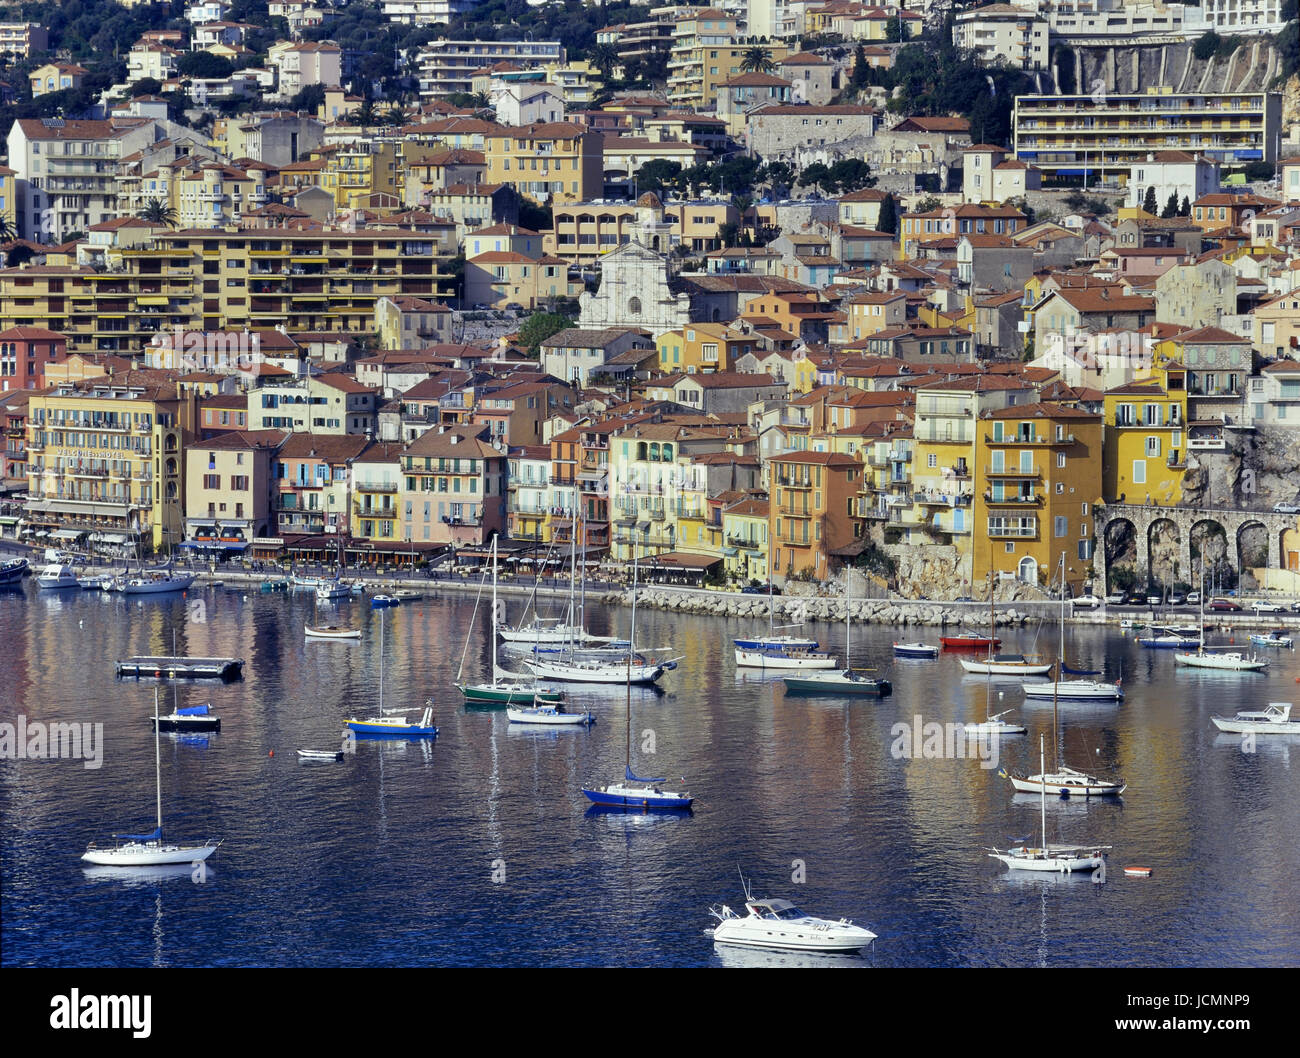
{"points": [[1017, 532], [935, 499], [795, 483], [1015, 500], [1013, 472], [794, 512]]}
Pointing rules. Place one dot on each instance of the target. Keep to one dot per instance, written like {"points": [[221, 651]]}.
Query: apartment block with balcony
{"points": [[230, 488], [813, 496], [376, 494], [65, 171], [1146, 449], [885, 496], [547, 162], [454, 487], [23, 39], [354, 172], [449, 66], [318, 280], [312, 483], [1105, 138], [1003, 32], [1040, 467], [529, 506], [24, 354], [106, 456]]}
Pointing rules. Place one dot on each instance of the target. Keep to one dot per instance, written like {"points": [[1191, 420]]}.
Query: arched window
{"points": [[641, 450], [634, 307], [654, 452], [668, 453]]}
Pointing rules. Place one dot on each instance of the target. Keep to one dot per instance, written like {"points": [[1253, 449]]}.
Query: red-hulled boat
{"points": [[970, 641]]}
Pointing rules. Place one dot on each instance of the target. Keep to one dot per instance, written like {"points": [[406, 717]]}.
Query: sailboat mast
{"points": [[848, 624], [381, 663], [1056, 688], [631, 646], [573, 574], [157, 761], [494, 611], [1042, 790]]}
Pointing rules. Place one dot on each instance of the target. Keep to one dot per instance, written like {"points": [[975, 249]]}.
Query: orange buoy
{"points": [[158, 673], [271, 754]]}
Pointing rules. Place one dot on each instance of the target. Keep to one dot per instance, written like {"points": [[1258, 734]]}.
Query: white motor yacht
{"points": [[1275, 719], [57, 576], [779, 925]]}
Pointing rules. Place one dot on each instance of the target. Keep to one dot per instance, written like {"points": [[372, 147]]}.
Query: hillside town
{"points": [[959, 295]]}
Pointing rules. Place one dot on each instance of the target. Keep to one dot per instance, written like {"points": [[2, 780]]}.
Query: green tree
{"points": [[888, 221], [757, 59], [1206, 45], [927, 205], [1185, 210], [203, 64], [7, 229], [861, 71], [659, 175], [817, 175], [894, 32], [1149, 204], [1171, 207], [156, 211], [539, 327]]}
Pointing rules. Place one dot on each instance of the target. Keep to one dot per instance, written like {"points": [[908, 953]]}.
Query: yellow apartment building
{"points": [[547, 161], [812, 501], [106, 456], [1039, 471], [1146, 440]]}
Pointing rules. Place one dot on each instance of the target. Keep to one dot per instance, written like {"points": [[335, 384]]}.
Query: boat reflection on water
{"points": [[169, 872], [1066, 806], [638, 813], [757, 958]]}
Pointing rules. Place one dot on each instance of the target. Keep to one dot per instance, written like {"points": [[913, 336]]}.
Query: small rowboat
{"points": [[331, 632], [315, 756], [378, 602], [1138, 872]]}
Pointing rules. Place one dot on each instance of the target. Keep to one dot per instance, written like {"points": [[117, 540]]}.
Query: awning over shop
{"points": [[115, 538], [680, 560], [67, 534]]}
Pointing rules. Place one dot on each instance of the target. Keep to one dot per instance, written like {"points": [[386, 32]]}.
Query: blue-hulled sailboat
{"points": [[394, 725]]}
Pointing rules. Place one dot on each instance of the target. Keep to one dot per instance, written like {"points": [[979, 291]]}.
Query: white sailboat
{"points": [[845, 681], [1080, 689], [631, 669], [1221, 660], [567, 631], [1002, 664], [506, 688], [774, 651], [1051, 858], [149, 850]]}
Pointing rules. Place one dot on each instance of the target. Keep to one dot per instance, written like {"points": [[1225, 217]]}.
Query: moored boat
{"points": [[191, 718], [970, 641], [548, 714], [1005, 665], [1275, 638], [319, 756], [331, 632], [783, 658], [57, 576], [915, 650], [13, 570], [1273, 719]]}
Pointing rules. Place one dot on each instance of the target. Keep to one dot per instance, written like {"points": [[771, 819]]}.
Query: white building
{"points": [[1003, 32], [208, 11], [1235, 17], [525, 103], [1179, 173], [426, 12]]}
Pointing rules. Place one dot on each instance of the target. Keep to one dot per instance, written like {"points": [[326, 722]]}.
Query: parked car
{"points": [[759, 589], [1177, 599], [1116, 598], [1193, 598], [1137, 598], [1153, 600], [56, 555], [1268, 607], [1224, 605], [963, 598], [1295, 606], [1085, 602], [1286, 508]]}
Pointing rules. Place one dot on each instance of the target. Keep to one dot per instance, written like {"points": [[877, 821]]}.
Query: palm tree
{"points": [[7, 229], [604, 57], [362, 115], [757, 59], [156, 211]]}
